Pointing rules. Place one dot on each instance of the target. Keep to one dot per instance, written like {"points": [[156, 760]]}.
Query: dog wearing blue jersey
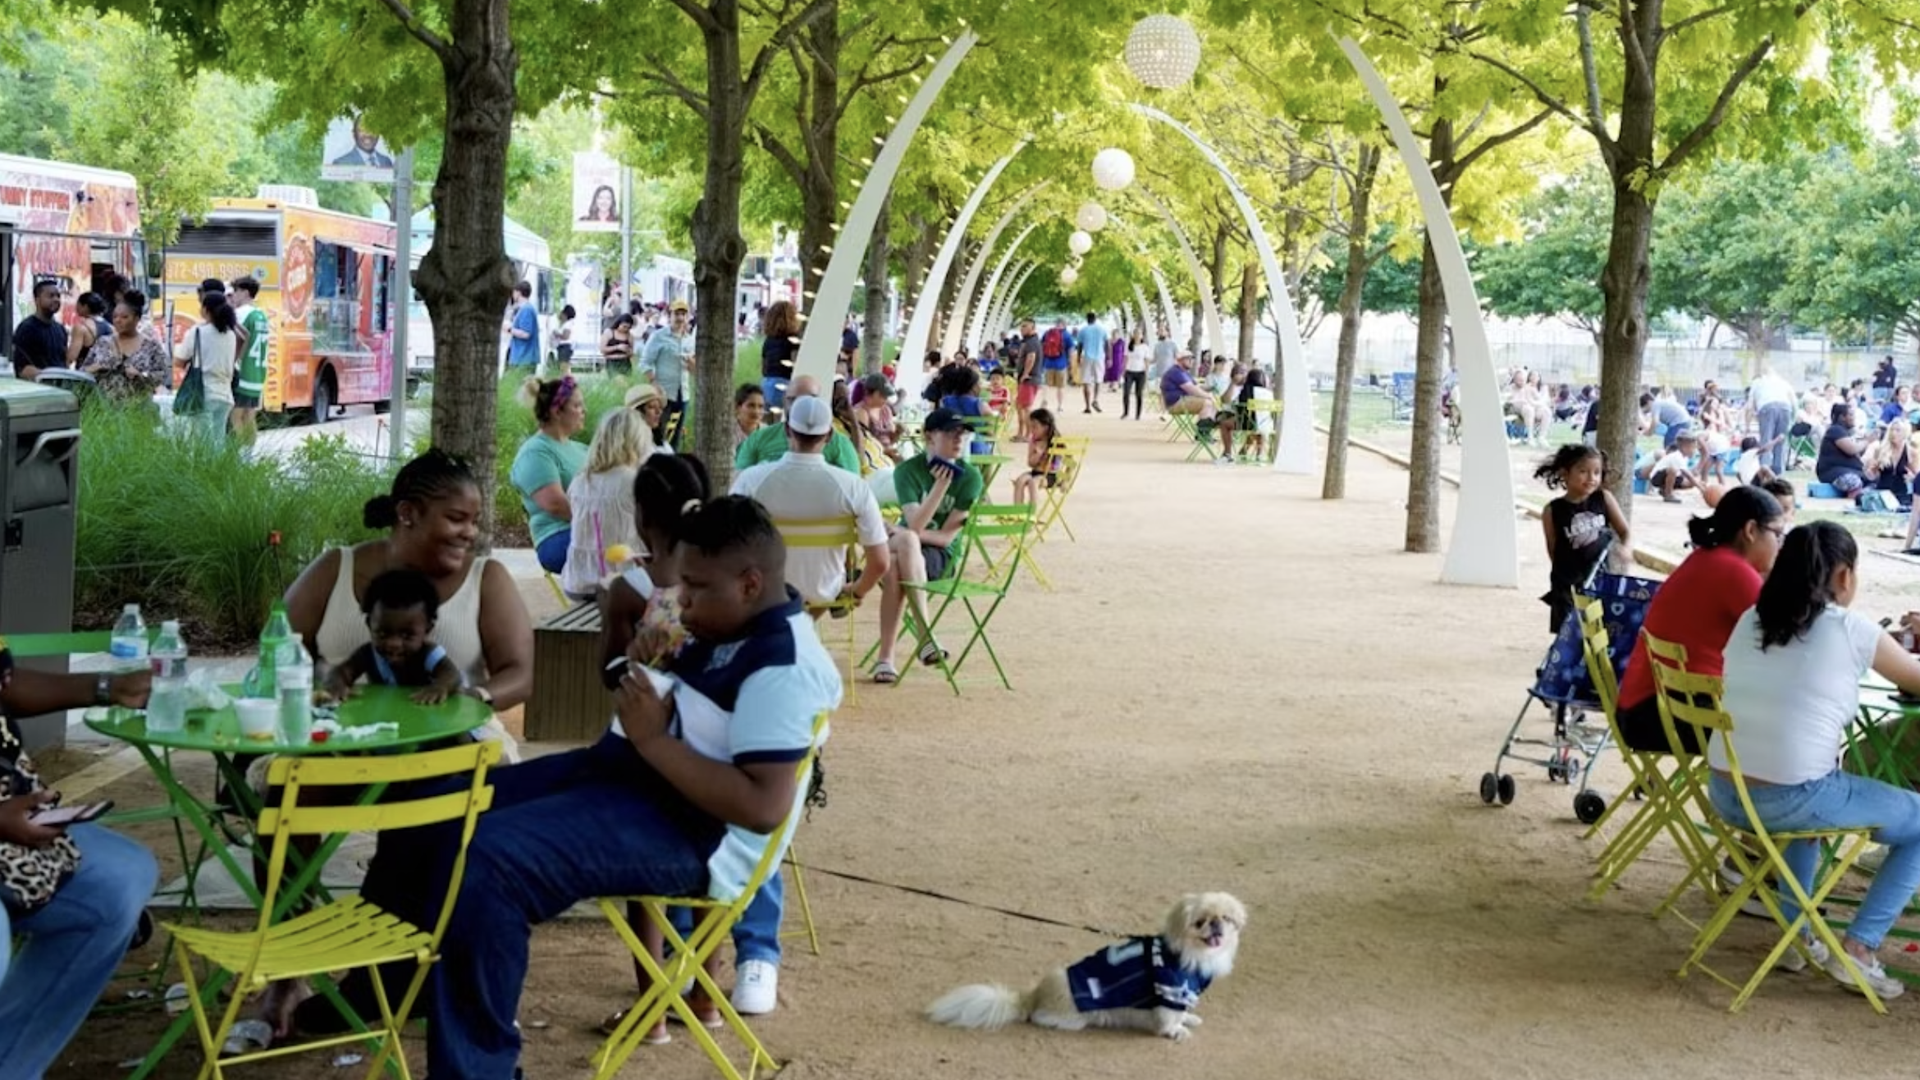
{"points": [[1144, 983]]}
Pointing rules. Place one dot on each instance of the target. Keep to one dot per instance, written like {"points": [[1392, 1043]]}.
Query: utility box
{"points": [[39, 485]]}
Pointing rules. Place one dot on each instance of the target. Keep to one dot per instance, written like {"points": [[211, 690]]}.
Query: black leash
{"points": [[929, 893]]}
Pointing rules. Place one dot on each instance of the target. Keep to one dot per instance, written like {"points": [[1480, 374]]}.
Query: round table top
{"points": [[218, 730]]}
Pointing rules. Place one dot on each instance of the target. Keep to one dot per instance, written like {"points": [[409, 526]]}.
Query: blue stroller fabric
{"points": [[1562, 678]]}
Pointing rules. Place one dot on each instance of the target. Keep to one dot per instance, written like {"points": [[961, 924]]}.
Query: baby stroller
{"points": [[1561, 684]]}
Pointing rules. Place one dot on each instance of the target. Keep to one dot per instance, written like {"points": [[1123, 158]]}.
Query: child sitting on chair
{"points": [[401, 607], [1043, 467]]}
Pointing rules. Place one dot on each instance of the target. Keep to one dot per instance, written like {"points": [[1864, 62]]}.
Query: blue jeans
{"points": [[552, 552], [775, 391], [564, 828], [1774, 422], [1840, 800], [73, 944]]}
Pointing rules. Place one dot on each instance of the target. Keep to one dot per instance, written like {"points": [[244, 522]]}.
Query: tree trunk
{"points": [[1249, 307], [465, 278], [873, 336], [1217, 270], [1359, 231], [1423, 478], [913, 273], [718, 248], [1199, 323], [1623, 283], [820, 152]]}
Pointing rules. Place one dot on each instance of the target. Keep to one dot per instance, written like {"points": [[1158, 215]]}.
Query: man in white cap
{"points": [[802, 487], [770, 442]]}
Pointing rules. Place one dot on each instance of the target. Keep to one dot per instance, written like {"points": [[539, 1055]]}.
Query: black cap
{"points": [[945, 420]]}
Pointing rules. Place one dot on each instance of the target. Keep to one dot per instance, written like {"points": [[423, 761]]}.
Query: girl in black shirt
{"points": [[1579, 524]]}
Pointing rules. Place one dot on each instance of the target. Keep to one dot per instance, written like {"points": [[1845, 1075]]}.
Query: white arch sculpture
{"points": [[1146, 313], [1296, 387], [1209, 314], [1003, 313], [1484, 550], [820, 341], [963, 300], [921, 324], [984, 306], [1167, 309]]}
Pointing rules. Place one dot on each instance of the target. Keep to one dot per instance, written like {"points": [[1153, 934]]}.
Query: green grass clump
{"points": [[205, 534]]}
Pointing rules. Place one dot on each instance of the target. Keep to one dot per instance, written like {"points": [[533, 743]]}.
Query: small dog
{"points": [[1144, 983]]}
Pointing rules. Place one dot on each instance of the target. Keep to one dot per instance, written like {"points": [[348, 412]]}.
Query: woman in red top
{"points": [[1698, 606]]}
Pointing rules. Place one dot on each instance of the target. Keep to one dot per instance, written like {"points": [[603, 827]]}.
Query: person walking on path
{"points": [[1093, 362]]}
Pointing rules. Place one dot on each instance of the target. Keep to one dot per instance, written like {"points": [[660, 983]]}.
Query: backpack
{"points": [[1053, 345]]}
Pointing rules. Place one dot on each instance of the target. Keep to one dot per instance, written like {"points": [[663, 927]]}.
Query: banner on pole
{"points": [[596, 193], [353, 153]]}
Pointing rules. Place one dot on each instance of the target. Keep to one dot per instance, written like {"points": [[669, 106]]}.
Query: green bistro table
{"points": [[216, 732]]}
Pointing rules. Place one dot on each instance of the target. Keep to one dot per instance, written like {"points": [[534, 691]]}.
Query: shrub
{"points": [[206, 534]]}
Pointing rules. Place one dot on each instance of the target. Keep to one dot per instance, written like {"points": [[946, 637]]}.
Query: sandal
{"points": [[932, 654], [884, 674]]}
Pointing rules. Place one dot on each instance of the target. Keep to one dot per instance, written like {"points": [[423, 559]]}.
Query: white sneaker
{"points": [[1223, 461], [756, 988], [1875, 975], [1793, 961]]}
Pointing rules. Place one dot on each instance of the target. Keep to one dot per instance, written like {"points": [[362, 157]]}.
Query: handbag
{"points": [[190, 397]]}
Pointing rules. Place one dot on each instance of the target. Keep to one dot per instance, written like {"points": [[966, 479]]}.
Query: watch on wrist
{"points": [[103, 689]]}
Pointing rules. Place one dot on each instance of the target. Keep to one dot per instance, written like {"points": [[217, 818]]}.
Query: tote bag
{"points": [[190, 397]]}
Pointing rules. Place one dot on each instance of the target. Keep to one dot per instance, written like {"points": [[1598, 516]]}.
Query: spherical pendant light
{"points": [[1079, 243], [1092, 217], [1113, 169], [1163, 51], [1068, 275]]}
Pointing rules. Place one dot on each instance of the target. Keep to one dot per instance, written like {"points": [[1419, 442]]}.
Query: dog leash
{"points": [[931, 894]]}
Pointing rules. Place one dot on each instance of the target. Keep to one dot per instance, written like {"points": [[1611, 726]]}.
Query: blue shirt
{"points": [[411, 674], [749, 701], [525, 352], [1093, 344], [1134, 974], [1172, 384]]}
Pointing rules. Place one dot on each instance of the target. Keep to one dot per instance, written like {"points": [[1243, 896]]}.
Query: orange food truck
{"points": [[70, 223], [323, 283]]}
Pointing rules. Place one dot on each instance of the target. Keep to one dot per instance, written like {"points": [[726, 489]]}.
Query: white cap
{"points": [[809, 416]]}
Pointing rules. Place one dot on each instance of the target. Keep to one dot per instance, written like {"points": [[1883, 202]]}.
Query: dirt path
{"points": [[1240, 687]]}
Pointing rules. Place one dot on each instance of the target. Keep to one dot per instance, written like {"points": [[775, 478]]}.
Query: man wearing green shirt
{"points": [[769, 443], [937, 489], [250, 374]]}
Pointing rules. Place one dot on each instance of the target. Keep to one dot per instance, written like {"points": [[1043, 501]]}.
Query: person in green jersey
{"points": [[250, 374]]}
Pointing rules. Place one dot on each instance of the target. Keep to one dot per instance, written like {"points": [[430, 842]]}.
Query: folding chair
{"points": [[1701, 848], [1189, 424], [797, 873], [348, 933], [985, 522], [1071, 452], [1660, 809], [1241, 438], [1756, 852], [835, 532], [686, 959]]}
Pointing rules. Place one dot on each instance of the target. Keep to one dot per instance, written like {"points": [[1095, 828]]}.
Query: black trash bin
{"points": [[40, 429]]}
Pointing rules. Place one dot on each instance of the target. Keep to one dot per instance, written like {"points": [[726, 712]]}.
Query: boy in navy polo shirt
{"points": [[677, 799]]}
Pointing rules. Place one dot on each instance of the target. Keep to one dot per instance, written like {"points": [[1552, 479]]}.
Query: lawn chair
{"points": [[834, 532], [346, 934], [1244, 436], [1694, 700], [686, 958], [1070, 451], [979, 599]]}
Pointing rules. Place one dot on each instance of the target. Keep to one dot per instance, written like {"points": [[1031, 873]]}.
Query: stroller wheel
{"points": [[1505, 785], [1588, 806], [1489, 788]]}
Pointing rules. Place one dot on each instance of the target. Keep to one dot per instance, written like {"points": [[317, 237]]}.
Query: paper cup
{"points": [[259, 718]]}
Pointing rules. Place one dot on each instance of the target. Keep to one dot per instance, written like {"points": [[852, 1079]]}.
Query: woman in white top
{"points": [[1793, 668], [212, 345], [602, 499], [1134, 380]]}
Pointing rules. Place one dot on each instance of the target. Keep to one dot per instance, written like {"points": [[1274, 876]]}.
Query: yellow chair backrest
{"points": [[829, 532], [1665, 658], [292, 817]]}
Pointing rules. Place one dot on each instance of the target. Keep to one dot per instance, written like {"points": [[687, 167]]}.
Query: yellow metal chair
{"points": [[834, 532], [796, 873], [1071, 450], [1255, 409], [986, 523], [1684, 776], [1694, 700], [687, 957], [349, 933]]}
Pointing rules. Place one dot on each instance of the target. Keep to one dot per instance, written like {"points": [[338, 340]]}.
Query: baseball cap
{"points": [[945, 420], [677, 305], [809, 416]]}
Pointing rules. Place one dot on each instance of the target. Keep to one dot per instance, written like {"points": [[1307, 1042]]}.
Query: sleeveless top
{"points": [[343, 628]]}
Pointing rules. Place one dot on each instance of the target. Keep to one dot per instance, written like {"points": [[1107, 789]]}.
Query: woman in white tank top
{"points": [[433, 517]]}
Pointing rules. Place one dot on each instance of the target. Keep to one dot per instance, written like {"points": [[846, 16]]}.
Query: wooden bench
{"points": [[569, 703]]}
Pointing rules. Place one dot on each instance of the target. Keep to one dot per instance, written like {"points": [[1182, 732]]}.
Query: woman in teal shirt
{"points": [[546, 464]]}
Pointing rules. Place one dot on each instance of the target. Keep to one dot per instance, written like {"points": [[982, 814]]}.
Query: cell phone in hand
{"points": [[70, 815]]}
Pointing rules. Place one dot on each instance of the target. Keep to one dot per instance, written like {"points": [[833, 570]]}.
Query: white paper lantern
{"points": [[1163, 51], [1068, 275], [1113, 169], [1079, 243], [1092, 217]]}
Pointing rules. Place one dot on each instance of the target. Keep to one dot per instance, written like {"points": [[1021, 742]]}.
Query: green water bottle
{"points": [[275, 639]]}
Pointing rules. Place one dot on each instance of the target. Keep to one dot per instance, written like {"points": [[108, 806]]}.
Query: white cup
{"points": [[259, 718]]}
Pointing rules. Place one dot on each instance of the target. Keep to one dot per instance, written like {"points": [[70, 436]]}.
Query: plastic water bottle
{"points": [[167, 705], [276, 645], [295, 681], [128, 645]]}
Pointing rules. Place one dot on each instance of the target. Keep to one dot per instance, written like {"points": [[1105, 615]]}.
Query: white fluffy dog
{"points": [[1144, 983]]}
